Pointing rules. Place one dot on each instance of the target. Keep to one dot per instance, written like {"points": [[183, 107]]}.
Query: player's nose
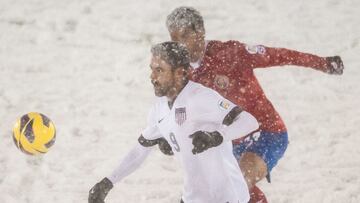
{"points": [[152, 76]]}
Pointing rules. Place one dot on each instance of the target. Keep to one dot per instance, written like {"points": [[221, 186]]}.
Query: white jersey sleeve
{"points": [[218, 108], [151, 132], [243, 124], [130, 163]]}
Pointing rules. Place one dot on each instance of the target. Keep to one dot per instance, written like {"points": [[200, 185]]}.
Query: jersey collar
{"points": [[184, 94], [197, 64]]}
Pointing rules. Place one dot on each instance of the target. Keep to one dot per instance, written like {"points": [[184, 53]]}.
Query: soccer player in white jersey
{"points": [[199, 125]]}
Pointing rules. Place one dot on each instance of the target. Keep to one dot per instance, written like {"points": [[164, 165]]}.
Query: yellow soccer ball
{"points": [[34, 133]]}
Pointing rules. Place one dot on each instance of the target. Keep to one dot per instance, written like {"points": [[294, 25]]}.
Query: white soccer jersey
{"points": [[212, 176]]}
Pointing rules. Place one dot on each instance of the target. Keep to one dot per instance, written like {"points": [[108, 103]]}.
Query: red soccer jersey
{"points": [[228, 68]]}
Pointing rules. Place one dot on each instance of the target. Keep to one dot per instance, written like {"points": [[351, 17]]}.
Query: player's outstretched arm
{"points": [[237, 123], [128, 165], [263, 57]]}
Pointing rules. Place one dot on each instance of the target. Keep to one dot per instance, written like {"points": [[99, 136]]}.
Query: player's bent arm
{"points": [[237, 123], [129, 164]]}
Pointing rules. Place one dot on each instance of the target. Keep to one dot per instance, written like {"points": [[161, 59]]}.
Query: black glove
{"points": [[335, 65], [98, 193], [203, 140], [165, 147], [163, 144]]}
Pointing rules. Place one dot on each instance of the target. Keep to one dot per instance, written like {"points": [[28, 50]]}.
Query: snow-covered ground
{"points": [[85, 64]]}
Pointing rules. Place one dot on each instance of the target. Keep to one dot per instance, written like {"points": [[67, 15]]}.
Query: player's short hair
{"points": [[185, 17], [173, 53]]}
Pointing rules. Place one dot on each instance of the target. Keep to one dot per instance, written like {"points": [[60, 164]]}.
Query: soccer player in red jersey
{"points": [[228, 67]]}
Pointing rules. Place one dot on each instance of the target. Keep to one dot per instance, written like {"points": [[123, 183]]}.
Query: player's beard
{"points": [[162, 89]]}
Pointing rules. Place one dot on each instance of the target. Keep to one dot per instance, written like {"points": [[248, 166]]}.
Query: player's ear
{"points": [[200, 33], [185, 72], [182, 73]]}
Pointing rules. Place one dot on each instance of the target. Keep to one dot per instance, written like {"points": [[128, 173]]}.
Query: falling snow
{"points": [[84, 64]]}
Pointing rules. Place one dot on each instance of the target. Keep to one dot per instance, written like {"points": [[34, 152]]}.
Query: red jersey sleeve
{"points": [[260, 56]]}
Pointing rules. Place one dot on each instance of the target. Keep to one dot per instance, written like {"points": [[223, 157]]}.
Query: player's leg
{"points": [[257, 155], [253, 168], [257, 196]]}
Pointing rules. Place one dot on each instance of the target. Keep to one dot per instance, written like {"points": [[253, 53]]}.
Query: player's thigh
{"points": [[266, 147], [253, 167]]}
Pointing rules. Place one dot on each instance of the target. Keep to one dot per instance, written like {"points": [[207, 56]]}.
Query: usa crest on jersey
{"points": [[180, 115]]}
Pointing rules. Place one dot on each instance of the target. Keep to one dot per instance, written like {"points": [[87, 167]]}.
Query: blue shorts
{"points": [[269, 146]]}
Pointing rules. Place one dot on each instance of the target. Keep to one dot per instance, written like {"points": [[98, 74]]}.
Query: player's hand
{"points": [[335, 65], [98, 193], [203, 140], [165, 147], [161, 142]]}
